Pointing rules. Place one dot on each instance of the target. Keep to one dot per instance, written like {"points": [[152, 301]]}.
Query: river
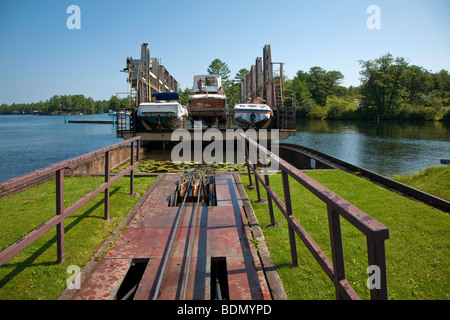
{"points": [[386, 147], [31, 142]]}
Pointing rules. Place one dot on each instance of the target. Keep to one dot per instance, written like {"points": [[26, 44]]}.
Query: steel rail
{"points": [[191, 239], [172, 238]]}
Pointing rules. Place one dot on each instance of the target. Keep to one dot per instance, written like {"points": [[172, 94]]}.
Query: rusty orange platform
{"points": [[221, 230]]}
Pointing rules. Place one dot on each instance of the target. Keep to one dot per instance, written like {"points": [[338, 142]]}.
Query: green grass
{"points": [[34, 273], [434, 180], [417, 257]]}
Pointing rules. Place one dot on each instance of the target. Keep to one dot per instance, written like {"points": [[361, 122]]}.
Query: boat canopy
{"points": [[166, 96], [210, 82]]}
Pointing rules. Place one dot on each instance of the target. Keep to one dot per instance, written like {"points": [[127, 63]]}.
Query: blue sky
{"points": [[40, 57]]}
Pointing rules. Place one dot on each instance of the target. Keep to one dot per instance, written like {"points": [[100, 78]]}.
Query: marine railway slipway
{"points": [[192, 245]]}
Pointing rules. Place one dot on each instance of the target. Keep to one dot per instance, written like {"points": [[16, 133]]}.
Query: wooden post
{"points": [[60, 212]]}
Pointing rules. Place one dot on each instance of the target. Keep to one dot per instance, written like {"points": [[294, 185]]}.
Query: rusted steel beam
{"points": [[377, 257], [362, 221], [346, 291], [107, 176], [337, 251], [28, 239], [61, 213], [86, 198], [287, 201], [375, 231]]}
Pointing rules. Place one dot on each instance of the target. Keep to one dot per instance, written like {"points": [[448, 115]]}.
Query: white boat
{"points": [[207, 101], [166, 113], [252, 115]]}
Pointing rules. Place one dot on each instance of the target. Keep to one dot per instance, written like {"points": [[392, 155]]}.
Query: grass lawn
{"points": [[417, 259], [34, 273], [434, 180]]}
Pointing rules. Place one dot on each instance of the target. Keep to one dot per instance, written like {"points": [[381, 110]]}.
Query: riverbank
{"points": [[434, 180], [338, 109]]}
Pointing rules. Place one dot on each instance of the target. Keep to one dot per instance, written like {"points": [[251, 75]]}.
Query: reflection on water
{"points": [[385, 147]]}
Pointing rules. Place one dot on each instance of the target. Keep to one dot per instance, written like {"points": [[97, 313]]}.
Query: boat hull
{"points": [[209, 110], [154, 116], [252, 115]]}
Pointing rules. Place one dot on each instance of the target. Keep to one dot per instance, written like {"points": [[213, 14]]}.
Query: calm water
{"points": [[33, 142], [385, 147]]}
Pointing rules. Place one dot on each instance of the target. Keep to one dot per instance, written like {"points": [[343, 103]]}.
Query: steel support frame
{"points": [[376, 233]]}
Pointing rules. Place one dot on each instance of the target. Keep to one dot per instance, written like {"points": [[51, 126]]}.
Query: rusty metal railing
{"points": [[375, 232], [61, 212]]}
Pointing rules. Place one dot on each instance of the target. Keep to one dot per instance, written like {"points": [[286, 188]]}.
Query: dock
{"points": [[221, 232], [92, 121]]}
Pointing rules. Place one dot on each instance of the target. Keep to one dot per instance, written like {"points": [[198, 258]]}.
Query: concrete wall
{"points": [[97, 165]]}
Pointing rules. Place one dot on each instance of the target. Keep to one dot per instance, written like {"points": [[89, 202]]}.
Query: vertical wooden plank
{"points": [[337, 252], [60, 212], [287, 200]]}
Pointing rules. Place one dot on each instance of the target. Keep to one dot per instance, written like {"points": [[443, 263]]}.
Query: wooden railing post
{"points": [[287, 201], [60, 212], [107, 175], [337, 252]]}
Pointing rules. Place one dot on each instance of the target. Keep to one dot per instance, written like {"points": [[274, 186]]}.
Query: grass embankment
{"points": [[34, 273], [417, 257], [434, 180]]}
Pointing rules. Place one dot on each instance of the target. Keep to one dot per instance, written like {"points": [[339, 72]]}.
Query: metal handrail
{"points": [[61, 212], [374, 231]]}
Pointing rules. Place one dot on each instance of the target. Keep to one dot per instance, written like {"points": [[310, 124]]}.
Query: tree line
{"points": [[66, 104], [390, 88]]}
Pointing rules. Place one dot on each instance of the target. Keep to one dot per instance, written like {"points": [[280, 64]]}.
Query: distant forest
{"points": [[390, 88], [67, 104]]}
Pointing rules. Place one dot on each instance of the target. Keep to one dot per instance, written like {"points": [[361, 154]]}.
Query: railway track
{"points": [[194, 189]]}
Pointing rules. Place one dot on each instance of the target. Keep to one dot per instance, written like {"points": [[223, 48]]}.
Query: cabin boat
{"points": [[207, 101], [252, 115], [165, 113]]}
